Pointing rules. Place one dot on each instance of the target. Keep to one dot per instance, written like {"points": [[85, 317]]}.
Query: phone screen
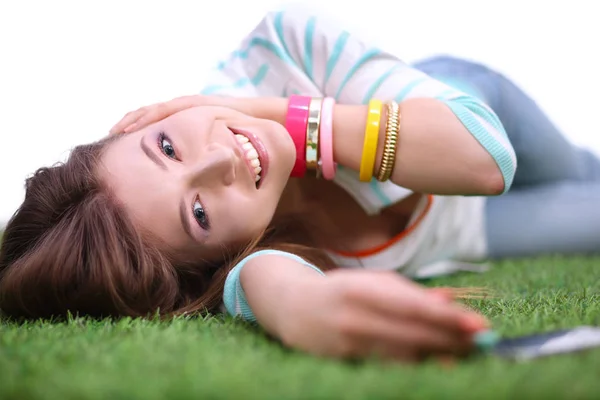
{"points": [[546, 344]]}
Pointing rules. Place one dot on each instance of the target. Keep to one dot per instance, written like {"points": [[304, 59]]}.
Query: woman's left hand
{"points": [[147, 115]]}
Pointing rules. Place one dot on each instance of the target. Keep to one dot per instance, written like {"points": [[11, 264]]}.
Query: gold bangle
{"points": [[312, 135], [392, 132]]}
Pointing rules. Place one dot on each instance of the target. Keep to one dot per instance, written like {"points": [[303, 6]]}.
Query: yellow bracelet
{"points": [[367, 162], [392, 131]]}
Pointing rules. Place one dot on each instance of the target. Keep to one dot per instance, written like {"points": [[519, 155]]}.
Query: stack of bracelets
{"points": [[309, 121]]}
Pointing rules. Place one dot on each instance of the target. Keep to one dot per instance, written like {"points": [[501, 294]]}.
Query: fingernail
{"points": [[474, 323], [440, 297]]}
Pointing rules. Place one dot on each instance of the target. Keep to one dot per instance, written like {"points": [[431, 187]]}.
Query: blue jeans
{"points": [[554, 203]]}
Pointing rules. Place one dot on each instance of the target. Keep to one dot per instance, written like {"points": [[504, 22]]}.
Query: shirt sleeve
{"points": [[234, 298], [295, 51]]}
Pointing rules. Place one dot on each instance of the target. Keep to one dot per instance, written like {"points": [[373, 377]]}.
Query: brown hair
{"points": [[71, 248]]}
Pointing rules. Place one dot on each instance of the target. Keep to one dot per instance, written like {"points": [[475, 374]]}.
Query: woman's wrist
{"points": [[272, 108], [349, 123], [293, 304]]}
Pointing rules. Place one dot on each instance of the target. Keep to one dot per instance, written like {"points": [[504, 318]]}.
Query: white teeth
{"points": [[251, 155], [241, 138], [247, 146]]}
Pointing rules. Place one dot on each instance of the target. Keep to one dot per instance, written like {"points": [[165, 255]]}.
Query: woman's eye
{"points": [[200, 215], [166, 147]]}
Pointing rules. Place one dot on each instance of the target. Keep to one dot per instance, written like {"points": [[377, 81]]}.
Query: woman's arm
{"points": [[435, 154], [450, 142], [347, 313], [266, 276]]}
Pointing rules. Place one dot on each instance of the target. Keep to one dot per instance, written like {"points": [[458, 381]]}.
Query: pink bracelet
{"points": [[296, 122], [328, 166]]}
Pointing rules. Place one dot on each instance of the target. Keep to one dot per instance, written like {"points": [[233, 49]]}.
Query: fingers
{"points": [[151, 115], [428, 341], [404, 340], [446, 315], [444, 294], [144, 116], [127, 120], [399, 298], [147, 115]]}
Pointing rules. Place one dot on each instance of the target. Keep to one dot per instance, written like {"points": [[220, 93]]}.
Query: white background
{"points": [[70, 69]]}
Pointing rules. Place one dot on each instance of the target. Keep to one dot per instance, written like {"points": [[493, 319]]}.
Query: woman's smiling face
{"points": [[201, 181]]}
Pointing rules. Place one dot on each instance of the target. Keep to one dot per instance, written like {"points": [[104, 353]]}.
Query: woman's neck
{"points": [[291, 198], [305, 198], [336, 221]]}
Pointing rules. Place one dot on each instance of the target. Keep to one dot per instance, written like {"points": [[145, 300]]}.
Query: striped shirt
{"points": [[295, 52]]}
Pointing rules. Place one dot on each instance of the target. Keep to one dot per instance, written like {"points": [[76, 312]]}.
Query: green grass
{"points": [[221, 358]]}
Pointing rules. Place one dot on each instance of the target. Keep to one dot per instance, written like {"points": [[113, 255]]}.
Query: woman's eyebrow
{"points": [[152, 155]]}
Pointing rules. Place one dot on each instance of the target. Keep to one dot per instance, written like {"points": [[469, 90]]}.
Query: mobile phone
{"points": [[546, 344]]}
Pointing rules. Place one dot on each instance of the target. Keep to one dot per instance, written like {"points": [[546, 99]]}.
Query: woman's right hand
{"points": [[152, 113], [263, 107], [358, 314]]}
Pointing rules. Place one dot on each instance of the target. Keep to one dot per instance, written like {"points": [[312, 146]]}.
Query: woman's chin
{"points": [[282, 151]]}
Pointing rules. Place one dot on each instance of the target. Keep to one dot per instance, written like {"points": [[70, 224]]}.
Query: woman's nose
{"points": [[216, 166]]}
